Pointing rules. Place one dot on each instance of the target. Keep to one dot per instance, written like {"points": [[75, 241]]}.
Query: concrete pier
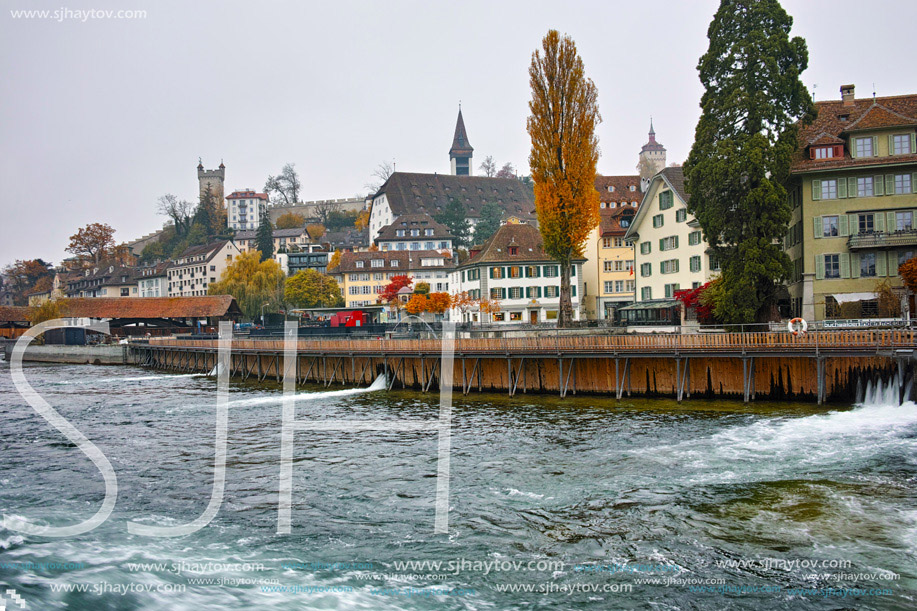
{"points": [[77, 355]]}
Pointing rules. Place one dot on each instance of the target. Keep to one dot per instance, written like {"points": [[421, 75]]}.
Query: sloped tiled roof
{"points": [[524, 237], [14, 314], [407, 260], [409, 193], [205, 249], [610, 221], [153, 307], [413, 221], [620, 186], [460, 143], [837, 119]]}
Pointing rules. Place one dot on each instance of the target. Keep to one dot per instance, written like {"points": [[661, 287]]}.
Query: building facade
{"points": [[363, 275], [609, 268], [245, 209], [512, 270], [103, 281], [853, 191], [670, 253], [198, 267], [295, 239], [152, 281], [415, 232]]}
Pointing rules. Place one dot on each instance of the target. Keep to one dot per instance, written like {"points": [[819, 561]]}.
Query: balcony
{"points": [[891, 239]]}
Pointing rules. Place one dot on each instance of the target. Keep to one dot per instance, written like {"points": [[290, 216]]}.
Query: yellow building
{"points": [[608, 272], [854, 195]]}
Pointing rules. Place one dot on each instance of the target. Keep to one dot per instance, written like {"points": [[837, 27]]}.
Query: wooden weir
{"points": [[748, 365]]}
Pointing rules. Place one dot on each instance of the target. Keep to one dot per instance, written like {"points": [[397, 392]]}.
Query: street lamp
{"points": [[262, 312]]}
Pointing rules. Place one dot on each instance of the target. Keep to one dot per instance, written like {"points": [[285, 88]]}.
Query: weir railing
{"points": [[813, 343]]}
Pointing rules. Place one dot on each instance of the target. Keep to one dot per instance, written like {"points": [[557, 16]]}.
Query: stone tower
{"points": [[652, 152], [214, 178], [460, 153]]}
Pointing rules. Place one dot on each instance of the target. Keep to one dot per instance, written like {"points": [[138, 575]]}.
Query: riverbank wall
{"points": [[76, 355]]}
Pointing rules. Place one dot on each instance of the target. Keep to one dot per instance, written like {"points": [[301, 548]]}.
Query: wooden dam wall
{"points": [[700, 376]]}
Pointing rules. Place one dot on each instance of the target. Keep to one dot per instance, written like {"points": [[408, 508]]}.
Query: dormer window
{"points": [[611, 188], [633, 187], [826, 152], [512, 250]]}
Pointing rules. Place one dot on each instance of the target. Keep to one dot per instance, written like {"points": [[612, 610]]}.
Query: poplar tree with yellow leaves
{"points": [[565, 151]]}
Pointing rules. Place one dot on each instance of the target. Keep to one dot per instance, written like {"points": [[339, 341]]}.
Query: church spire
{"points": [[652, 131], [461, 152]]}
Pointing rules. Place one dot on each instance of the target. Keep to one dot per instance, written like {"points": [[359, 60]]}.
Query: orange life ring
{"points": [[801, 329]]}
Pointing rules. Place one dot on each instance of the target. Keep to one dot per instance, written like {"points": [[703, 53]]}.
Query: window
{"points": [[666, 200], [670, 290], [865, 186], [829, 189], [633, 187], [829, 226], [606, 242], [415, 232], [904, 256], [415, 245], [400, 246], [866, 223], [394, 263], [619, 286], [399, 233], [668, 267], [496, 272], [609, 286], [625, 222], [904, 221], [669, 243], [444, 245], [532, 271], [646, 293], [359, 264], [695, 263], [902, 184], [378, 263], [428, 232], [823, 152], [714, 264], [607, 266], [551, 271], [630, 285], [832, 266], [515, 292], [513, 250], [646, 269], [495, 293], [645, 248], [619, 266], [658, 220], [694, 238], [515, 272], [864, 147], [681, 215], [868, 264], [551, 291], [901, 144], [429, 245]]}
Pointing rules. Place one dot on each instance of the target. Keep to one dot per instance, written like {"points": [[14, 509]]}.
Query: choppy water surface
{"points": [[582, 501]]}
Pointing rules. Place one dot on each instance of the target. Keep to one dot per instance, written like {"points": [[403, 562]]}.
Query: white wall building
{"points": [[670, 253], [198, 267], [245, 208]]}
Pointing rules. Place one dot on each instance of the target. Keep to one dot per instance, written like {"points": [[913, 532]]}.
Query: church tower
{"points": [[213, 178], [460, 153], [652, 155]]}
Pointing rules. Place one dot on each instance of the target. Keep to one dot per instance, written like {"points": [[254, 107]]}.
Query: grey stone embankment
{"points": [[78, 355]]}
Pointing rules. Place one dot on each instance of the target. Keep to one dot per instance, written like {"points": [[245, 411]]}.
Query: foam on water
{"points": [[768, 448], [378, 384]]}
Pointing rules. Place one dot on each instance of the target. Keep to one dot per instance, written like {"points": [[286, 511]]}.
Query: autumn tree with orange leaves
{"points": [[565, 151]]}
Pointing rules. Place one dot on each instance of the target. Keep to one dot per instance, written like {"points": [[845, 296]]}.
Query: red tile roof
{"points": [[153, 307], [408, 260], [14, 314], [610, 221], [837, 119], [620, 189]]}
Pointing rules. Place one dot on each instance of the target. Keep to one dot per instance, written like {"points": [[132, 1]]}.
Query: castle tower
{"points": [[652, 156], [460, 153], [213, 178]]}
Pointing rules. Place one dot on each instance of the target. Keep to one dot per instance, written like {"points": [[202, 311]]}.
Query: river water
{"points": [[579, 503]]}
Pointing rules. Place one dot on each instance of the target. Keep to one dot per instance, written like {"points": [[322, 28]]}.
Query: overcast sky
{"points": [[99, 118]]}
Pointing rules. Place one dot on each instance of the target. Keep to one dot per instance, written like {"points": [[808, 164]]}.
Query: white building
{"points": [[199, 267], [512, 270], [670, 253], [152, 281], [415, 232], [245, 208]]}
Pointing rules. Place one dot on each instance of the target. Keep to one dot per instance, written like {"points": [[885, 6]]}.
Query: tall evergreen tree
{"points": [[743, 146], [489, 222], [264, 238], [453, 216]]}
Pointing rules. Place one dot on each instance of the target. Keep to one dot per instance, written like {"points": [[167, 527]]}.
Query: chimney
{"points": [[847, 94]]}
